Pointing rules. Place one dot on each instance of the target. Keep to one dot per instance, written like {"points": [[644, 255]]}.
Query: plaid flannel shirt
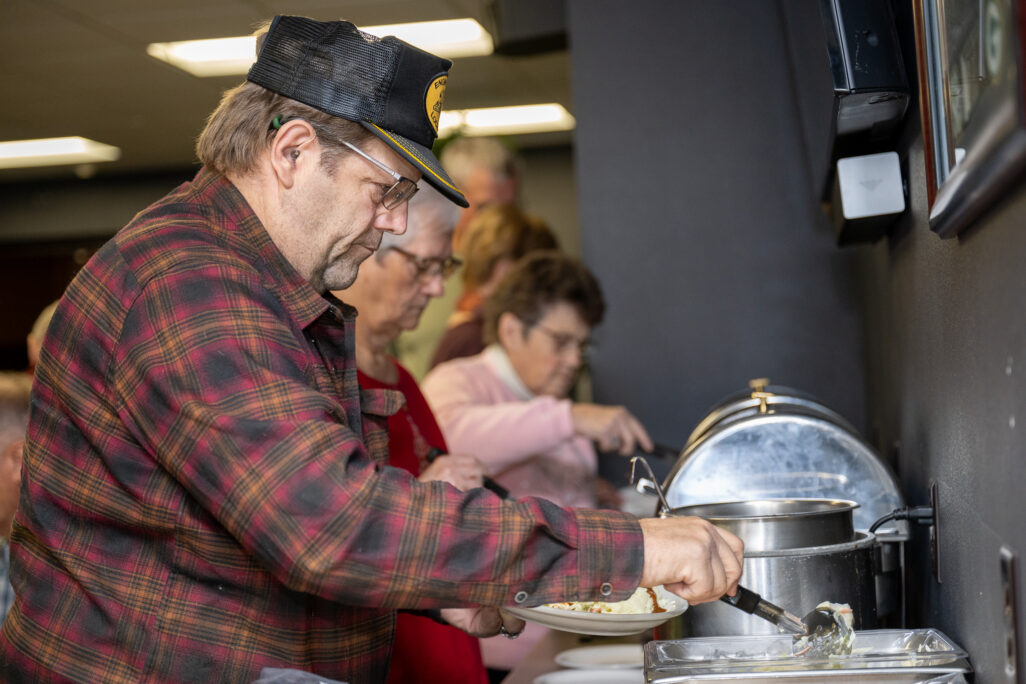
{"points": [[204, 491]]}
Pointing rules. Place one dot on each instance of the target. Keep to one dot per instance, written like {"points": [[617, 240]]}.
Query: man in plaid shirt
{"points": [[204, 492]]}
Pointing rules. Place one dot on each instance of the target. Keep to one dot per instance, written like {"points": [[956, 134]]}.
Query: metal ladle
{"points": [[827, 634]]}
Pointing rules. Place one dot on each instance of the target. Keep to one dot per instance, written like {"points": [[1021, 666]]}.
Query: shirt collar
{"points": [[498, 359], [251, 238]]}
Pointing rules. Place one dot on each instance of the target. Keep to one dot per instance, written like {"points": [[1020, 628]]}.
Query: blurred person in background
{"points": [[390, 293], [34, 340], [488, 171], [496, 238], [15, 394], [15, 388], [509, 406]]}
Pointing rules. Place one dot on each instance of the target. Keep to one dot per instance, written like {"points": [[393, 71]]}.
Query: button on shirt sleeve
{"points": [[220, 387]]}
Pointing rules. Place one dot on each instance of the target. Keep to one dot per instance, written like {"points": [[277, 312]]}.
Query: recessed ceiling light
{"points": [[447, 38], [535, 118], [211, 57], [233, 56], [15, 154]]}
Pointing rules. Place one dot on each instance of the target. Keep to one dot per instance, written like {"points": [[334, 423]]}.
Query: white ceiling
{"points": [[79, 67]]}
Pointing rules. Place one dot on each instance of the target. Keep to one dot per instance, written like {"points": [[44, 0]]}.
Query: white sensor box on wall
{"points": [[870, 185]]}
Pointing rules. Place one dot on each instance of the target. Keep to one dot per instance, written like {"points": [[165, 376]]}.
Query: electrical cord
{"points": [[921, 514]]}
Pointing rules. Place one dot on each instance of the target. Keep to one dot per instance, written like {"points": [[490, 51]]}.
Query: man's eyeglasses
{"points": [[400, 191], [430, 267], [565, 342]]}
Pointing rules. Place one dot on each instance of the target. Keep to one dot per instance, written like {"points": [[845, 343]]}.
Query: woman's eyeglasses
{"points": [[430, 267], [564, 342]]}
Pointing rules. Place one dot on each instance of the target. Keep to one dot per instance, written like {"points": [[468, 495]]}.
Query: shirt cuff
{"points": [[611, 554]]}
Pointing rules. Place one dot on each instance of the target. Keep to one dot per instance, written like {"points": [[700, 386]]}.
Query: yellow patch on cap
{"points": [[433, 100]]}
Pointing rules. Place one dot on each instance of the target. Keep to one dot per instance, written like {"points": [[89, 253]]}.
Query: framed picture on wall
{"points": [[971, 58]]}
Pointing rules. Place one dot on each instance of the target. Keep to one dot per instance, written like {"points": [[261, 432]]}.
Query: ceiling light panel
{"points": [[520, 119], [16, 154], [233, 56]]}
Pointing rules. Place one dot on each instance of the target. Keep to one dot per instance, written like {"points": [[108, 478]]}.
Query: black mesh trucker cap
{"points": [[391, 87]]}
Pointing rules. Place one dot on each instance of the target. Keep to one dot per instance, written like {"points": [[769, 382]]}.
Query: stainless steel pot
{"points": [[775, 524], [797, 579], [798, 553]]}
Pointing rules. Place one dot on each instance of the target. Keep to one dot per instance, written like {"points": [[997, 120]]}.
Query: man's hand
{"points": [[613, 428], [482, 622], [691, 557], [460, 470], [10, 484]]}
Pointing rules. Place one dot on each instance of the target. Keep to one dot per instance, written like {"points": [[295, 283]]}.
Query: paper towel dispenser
{"points": [[870, 85]]}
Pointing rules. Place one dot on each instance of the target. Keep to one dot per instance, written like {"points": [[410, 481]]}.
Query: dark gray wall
{"points": [[946, 368], [698, 208], [696, 205]]}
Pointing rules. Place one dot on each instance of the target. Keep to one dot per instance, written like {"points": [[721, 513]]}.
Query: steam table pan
{"points": [[894, 656]]}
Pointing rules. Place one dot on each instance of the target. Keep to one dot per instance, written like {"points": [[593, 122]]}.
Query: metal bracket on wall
{"points": [[935, 532], [1009, 612]]}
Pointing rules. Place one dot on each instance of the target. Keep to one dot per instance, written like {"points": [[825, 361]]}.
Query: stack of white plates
{"points": [[608, 664]]}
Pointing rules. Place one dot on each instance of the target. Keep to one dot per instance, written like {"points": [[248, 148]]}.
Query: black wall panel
{"points": [[699, 209]]}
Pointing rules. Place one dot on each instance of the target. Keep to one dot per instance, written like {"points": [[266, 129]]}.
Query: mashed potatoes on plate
{"points": [[643, 600]]}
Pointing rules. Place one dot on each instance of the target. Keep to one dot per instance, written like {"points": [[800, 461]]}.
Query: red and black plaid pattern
{"points": [[204, 494]]}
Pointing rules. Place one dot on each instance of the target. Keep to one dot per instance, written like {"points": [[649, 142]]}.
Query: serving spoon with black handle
{"points": [[822, 632], [750, 602]]}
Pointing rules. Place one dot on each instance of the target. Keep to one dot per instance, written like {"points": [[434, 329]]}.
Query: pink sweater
{"points": [[526, 442]]}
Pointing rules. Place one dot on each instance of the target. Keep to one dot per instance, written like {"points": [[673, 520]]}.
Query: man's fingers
{"points": [[691, 557], [731, 553], [718, 586]]}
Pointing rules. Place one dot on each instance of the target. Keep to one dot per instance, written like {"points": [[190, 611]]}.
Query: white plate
{"points": [[592, 677], [610, 656], [603, 624]]}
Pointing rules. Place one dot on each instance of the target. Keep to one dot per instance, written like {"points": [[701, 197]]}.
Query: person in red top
{"points": [[390, 294]]}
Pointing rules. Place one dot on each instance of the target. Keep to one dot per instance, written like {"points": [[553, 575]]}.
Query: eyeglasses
{"points": [[565, 342], [430, 267], [400, 191]]}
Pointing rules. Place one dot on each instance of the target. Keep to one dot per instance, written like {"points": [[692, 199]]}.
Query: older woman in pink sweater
{"points": [[509, 404]]}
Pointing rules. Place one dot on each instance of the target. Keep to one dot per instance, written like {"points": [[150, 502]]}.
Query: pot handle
{"points": [[664, 507]]}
